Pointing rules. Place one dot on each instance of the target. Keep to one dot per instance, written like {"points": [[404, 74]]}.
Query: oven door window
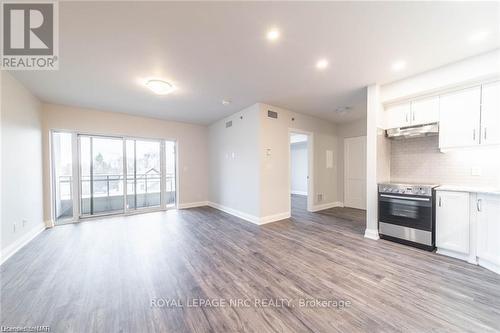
{"points": [[408, 211]]}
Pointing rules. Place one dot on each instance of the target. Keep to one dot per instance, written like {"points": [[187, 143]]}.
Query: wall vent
{"points": [[229, 123], [272, 114]]}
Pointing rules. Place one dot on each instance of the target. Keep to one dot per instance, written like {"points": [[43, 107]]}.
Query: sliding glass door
{"points": [[143, 173], [101, 175], [170, 172], [62, 175]]}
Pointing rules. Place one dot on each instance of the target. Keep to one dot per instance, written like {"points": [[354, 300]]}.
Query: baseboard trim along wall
{"points": [[248, 217], [372, 234], [192, 204], [328, 205], [10, 250]]}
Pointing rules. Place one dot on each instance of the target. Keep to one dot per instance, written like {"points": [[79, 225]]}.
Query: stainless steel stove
{"points": [[407, 214]]}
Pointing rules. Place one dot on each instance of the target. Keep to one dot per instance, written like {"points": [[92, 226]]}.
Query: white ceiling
{"points": [[214, 51]]}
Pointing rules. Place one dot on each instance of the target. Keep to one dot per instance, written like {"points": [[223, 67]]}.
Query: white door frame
{"points": [[310, 167], [346, 166]]}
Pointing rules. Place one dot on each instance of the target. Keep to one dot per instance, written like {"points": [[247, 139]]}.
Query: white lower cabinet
{"points": [[468, 227], [488, 231], [452, 223]]}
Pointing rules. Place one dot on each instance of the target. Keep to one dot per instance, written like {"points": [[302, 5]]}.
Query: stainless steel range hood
{"points": [[413, 131]]}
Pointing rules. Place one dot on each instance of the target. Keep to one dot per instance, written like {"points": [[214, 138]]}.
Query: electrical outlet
{"points": [[320, 197]]}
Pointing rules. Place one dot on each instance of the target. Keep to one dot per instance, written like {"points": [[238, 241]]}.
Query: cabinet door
{"points": [[488, 227], [452, 221], [459, 118], [425, 111], [397, 115], [490, 114]]}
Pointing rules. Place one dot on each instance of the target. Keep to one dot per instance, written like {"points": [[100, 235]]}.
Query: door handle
{"points": [[479, 205], [439, 201]]}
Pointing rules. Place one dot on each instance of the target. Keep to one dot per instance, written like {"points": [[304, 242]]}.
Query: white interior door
{"points": [[355, 172]]}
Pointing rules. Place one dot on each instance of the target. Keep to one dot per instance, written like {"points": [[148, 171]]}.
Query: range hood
{"points": [[413, 131]]}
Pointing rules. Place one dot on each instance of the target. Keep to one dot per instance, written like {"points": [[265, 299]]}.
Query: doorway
{"points": [[300, 170], [355, 172]]}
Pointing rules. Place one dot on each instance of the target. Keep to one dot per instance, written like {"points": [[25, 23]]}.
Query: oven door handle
{"points": [[404, 198]]}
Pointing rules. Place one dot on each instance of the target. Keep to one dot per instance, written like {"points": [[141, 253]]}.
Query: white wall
{"points": [[275, 199], [255, 184], [347, 130], [298, 167], [191, 140], [234, 162], [21, 161]]}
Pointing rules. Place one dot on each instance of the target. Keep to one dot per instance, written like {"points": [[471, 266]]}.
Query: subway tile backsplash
{"points": [[419, 160]]}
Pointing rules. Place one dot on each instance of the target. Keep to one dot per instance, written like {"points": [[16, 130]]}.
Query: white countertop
{"points": [[472, 189]]}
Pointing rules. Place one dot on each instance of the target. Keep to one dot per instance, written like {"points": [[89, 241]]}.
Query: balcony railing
{"points": [[112, 185]]}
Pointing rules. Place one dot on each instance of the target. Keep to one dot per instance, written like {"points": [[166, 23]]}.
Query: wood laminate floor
{"points": [[101, 276]]}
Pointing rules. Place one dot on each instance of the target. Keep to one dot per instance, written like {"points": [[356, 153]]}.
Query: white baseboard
{"points": [[249, 217], [20, 243], [489, 265], [275, 217], [453, 254], [372, 234], [317, 208], [245, 216], [192, 204], [299, 192]]}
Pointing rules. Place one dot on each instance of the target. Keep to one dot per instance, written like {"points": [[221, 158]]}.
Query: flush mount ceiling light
{"points": [[322, 64], [273, 34], [398, 65], [226, 102], [478, 36], [160, 87]]}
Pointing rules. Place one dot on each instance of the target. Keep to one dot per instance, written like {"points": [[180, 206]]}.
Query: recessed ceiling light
{"points": [[478, 36], [398, 65], [226, 102], [273, 34], [160, 87], [322, 64]]}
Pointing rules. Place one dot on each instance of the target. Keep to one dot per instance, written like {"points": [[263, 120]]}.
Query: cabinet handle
{"points": [[479, 205], [485, 133], [413, 114], [439, 201], [474, 134], [406, 116]]}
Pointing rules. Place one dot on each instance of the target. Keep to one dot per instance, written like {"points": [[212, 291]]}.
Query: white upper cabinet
{"points": [[488, 228], [425, 111], [418, 112], [452, 221], [460, 114], [397, 115], [490, 114]]}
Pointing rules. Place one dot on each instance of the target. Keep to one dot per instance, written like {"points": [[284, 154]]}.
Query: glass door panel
{"points": [[62, 175], [101, 175], [148, 173], [170, 183]]}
